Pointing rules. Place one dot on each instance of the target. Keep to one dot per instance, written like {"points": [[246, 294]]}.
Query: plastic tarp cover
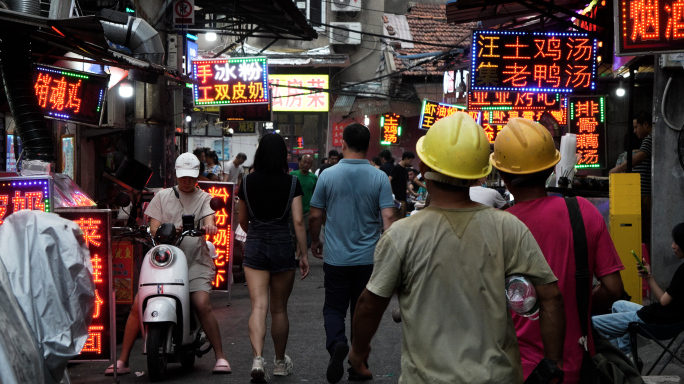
{"points": [[49, 269]]}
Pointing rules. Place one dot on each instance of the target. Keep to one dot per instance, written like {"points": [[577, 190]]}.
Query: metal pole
{"points": [[630, 116]]}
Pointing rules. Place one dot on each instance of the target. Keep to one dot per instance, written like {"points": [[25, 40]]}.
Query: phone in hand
{"points": [[641, 264]]}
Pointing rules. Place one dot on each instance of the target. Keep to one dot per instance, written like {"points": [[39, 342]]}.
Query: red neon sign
{"points": [[481, 100], [433, 111], [23, 193], [649, 26], [391, 129], [587, 121], [231, 81], [223, 239], [70, 95], [95, 227], [494, 121]]}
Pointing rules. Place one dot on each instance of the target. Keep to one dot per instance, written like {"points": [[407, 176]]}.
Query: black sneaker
{"points": [[336, 364], [355, 376]]}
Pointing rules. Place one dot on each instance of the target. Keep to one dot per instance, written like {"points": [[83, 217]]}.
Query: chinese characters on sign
{"points": [[553, 62], [122, 271], [231, 81], [391, 129], [245, 112], [484, 101], [338, 129], [294, 93], [95, 227], [587, 121], [223, 239], [648, 26], [70, 95], [494, 121], [432, 111], [24, 193]]}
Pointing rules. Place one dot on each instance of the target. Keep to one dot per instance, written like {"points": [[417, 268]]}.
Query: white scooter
{"points": [[171, 330]]}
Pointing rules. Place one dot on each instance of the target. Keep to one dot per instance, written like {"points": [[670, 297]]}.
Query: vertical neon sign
{"points": [[587, 121], [223, 240]]}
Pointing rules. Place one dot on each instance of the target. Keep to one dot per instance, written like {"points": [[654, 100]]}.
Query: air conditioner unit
{"points": [[345, 33], [345, 5]]}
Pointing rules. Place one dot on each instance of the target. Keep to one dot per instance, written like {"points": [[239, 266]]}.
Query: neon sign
{"points": [[24, 193], [649, 26], [587, 121], [494, 121], [290, 93], [390, 129], [551, 62], [433, 111], [230, 81], [245, 112], [504, 101], [70, 95], [95, 227], [223, 239]]}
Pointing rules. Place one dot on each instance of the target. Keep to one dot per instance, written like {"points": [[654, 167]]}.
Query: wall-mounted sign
{"points": [[191, 49], [223, 240], [70, 95], [122, 271], [649, 26], [548, 62], [245, 112], [304, 151], [587, 120], [96, 232], [491, 101], [390, 129], [68, 158], [432, 111], [337, 131], [230, 81], [21, 193], [298, 93]]}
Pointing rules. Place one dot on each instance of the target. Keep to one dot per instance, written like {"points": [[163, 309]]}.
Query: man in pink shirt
{"points": [[525, 154]]}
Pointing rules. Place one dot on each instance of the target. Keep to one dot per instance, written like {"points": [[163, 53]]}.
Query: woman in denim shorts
{"points": [[266, 198]]}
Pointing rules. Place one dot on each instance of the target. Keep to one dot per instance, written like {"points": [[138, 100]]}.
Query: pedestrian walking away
{"points": [[448, 264], [350, 198]]}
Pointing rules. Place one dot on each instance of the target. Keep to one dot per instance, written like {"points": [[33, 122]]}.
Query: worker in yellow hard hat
{"points": [[525, 156], [448, 264]]}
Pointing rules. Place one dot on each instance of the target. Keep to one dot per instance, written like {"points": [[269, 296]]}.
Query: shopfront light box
{"points": [[433, 111], [645, 27], [299, 93], [520, 101], [587, 120], [549, 62], [230, 81]]}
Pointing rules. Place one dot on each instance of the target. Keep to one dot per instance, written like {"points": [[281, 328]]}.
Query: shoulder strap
{"points": [[582, 278]]}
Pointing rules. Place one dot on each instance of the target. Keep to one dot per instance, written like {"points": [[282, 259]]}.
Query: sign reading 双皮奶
{"points": [[230, 81], [550, 62], [649, 26], [66, 94], [503, 101], [433, 111], [587, 120], [301, 93]]}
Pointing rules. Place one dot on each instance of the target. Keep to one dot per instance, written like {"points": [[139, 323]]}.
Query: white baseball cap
{"points": [[187, 164]]}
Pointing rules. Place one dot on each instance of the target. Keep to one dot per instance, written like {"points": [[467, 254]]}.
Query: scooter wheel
{"points": [[157, 358], [188, 361]]}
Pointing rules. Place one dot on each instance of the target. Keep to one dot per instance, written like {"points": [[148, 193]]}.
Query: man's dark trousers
{"points": [[343, 286]]}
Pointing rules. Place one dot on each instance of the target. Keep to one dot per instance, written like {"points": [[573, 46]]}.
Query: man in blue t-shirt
{"points": [[348, 198]]}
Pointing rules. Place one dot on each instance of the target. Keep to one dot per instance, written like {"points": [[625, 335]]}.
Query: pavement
{"points": [[306, 345]]}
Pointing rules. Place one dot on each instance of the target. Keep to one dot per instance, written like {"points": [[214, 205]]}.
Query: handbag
{"points": [[609, 364]]}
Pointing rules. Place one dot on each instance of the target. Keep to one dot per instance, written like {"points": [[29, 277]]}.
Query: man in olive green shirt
{"points": [[308, 181]]}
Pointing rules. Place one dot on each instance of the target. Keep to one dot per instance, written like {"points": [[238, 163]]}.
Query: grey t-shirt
{"points": [[232, 173]]}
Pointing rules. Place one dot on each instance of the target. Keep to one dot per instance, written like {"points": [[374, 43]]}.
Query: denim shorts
{"points": [[270, 250]]}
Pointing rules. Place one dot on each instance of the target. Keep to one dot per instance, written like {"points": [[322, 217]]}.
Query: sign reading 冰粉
{"points": [[432, 111], [551, 62], [649, 26], [230, 81], [587, 120], [502, 101], [71, 95]]}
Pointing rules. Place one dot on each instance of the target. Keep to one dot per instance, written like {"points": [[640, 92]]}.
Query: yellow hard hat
{"points": [[524, 147], [456, 146]]}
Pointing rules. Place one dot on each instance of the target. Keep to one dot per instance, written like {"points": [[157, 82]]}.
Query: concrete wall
{"points": [[668, 176]]}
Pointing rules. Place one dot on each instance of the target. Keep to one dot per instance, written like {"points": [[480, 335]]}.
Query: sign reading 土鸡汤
{"points": [[549, 62], [301, 93], [649, 26], [501, 100], [230, 81], [586, 119], [433, 111], [390, 126]]}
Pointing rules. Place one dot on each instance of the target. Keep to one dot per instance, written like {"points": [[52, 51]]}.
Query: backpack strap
{"points": [[582, 275]]}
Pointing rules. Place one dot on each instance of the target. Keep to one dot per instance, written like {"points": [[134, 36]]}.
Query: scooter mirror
{"points": [[122, 199], [166, 234], [217, 203]]}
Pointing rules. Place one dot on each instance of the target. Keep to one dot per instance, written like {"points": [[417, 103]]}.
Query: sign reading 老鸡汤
{"points": [[432, 111], [550, 62], [230, 81], [586, 119], [301, 93], [71, 95], [95, 224], [390, 124], [649, 26], [501, 100], [223, 239]]}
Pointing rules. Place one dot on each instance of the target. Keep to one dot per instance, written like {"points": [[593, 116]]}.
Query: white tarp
{"points": [[49, 269]]}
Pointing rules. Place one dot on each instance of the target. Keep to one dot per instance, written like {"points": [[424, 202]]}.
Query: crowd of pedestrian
{"points": [[447, 263]]}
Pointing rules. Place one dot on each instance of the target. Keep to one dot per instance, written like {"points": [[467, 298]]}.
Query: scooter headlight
{"points": [[161, 257]]}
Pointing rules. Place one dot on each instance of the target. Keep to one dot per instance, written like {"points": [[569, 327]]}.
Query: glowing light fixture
{"points": [[366, 120], [620, 91], [125, 89], [188, 118], [211, 36]]}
